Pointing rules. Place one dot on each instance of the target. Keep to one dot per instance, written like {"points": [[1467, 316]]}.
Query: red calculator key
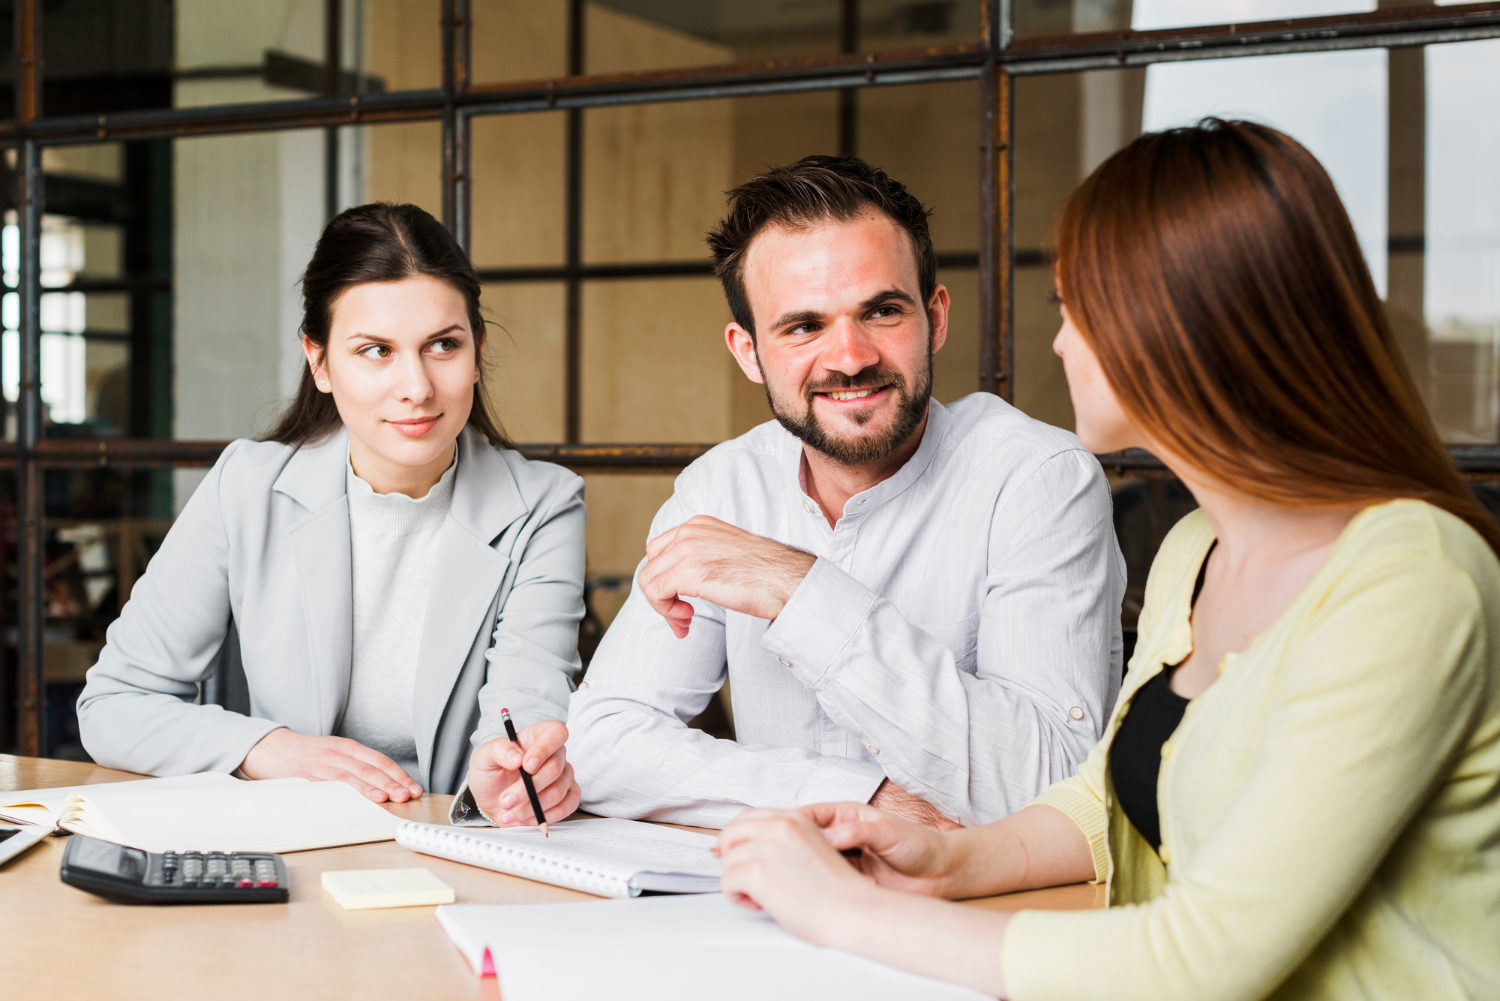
{"points": [[246, 882], [267, 882]]}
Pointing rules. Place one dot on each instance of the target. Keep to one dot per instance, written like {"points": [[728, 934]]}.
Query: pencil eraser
{"points": [[365, 889]]}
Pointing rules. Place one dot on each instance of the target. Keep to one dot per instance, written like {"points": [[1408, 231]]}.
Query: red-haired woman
{"points": [[1298, 793]]}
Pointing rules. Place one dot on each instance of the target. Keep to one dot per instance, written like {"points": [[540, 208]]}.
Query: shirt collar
{"points": [[892, 486]]}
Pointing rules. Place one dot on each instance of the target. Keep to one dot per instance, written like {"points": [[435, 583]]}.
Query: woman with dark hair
{"points": [[386, 571], [1298, 792]]}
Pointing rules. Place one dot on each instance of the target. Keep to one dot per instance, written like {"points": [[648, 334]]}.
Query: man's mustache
{"points": [[869, 378]]}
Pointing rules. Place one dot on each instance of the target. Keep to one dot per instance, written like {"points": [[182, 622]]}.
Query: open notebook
{"points": [[610, 858], [665, 948], [209, 812]]}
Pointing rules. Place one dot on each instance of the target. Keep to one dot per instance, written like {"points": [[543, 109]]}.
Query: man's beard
{"points": [[910, 409]]}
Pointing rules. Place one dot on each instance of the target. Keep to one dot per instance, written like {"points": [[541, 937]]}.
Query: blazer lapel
{"points": [[314, 478], [466, 579]]}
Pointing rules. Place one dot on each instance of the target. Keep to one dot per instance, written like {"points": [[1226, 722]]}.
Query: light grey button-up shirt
{"points": [[959, 633]]}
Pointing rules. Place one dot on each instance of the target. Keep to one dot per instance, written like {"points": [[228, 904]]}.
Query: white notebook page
{"points": [[664, 948]]}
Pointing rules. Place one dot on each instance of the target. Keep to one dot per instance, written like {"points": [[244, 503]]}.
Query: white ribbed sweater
{"points": [[393, 542]]}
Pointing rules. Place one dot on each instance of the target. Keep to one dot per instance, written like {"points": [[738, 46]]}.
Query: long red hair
{"points": [[1216, 275]]}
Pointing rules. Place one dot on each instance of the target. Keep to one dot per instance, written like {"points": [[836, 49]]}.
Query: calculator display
{"points": [[101, 856]]}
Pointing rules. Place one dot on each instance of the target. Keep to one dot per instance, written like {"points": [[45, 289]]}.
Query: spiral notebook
{"points": [[607, 857]]}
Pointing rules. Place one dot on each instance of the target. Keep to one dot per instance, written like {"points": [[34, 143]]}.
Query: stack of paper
{"points": [[664, 948], [209, 813]]}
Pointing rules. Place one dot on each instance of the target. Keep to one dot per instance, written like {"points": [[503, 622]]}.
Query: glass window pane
{"points": [[518, 40], [654, 177], [1406, 138], [1056, 17], [518, 172], [655, 368], [525, 359], [102, 527], [1445, 262], [621, 506], [105, 57]]}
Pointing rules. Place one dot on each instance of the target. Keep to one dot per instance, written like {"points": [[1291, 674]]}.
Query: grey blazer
{"points": [[261, 552]]}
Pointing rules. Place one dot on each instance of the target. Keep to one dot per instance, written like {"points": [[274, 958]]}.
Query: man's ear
{"points": [[742, 345], [937, 312], [315, 364]]}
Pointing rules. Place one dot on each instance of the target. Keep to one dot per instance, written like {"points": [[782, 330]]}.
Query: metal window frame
{"points": [[994, 62]]}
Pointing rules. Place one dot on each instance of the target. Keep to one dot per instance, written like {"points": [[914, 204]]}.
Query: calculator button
{"points": [[268, 881], [245, 882]]}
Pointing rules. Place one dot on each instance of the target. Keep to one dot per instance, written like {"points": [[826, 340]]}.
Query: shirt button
{"points": [[583, 684], [873, 749], [1076, 713], [1166, 856], [784, 662], [807, 506], [1166, 749]]}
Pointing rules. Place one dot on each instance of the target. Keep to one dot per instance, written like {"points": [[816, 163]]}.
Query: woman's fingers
{"points": [[386, 784], [568, 805], [393, 777], [555, 796], [515, 794], [541, 741], [359, 785]]}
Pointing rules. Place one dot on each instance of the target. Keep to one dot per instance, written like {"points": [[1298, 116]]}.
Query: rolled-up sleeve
{"points": [[980, 745]]}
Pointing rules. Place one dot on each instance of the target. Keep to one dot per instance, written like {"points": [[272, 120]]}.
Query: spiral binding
{"points": [[451, 843]]}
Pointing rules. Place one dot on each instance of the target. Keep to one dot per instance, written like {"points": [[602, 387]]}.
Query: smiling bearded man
{"points": [[918, 605]]}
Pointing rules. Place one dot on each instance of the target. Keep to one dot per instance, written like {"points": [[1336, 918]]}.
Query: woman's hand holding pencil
{"points": [[512, 780]]}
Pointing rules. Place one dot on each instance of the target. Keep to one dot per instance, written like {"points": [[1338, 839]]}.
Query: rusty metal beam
{"points": [[654, 269], [1052, 54], [1384, 28], [31, 550], [135, 453], [333, 78], [573, 234], [1476, 462], [461, 178]]}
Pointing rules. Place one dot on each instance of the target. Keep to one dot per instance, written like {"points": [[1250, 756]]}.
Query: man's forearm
{"points": [[633, 762]]}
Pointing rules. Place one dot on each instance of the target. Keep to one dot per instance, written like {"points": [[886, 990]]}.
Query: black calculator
{"points": [[129, 875]]}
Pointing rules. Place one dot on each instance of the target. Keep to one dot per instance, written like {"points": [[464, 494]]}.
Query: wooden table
{"points": [[60, 942]]}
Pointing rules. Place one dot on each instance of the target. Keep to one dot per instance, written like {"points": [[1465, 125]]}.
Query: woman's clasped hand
{"points": [[788, 862]]}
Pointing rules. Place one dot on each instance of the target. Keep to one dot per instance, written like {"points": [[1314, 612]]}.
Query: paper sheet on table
{"points": [[665, 948], [44, 806], [278, 815]]}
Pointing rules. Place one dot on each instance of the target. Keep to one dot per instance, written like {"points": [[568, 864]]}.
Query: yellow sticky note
{"points": [[363, 889]]}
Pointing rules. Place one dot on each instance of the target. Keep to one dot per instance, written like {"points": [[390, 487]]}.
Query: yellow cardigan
{"points": [[1330, 807]]}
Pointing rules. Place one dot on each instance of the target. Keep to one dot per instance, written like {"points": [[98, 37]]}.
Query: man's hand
{"points": [[706, 558], [495, 777], [895, 800], [283, 753]]}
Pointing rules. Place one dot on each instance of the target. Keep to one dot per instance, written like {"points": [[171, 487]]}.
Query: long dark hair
{"points": [[380, 242], [1217, 277]]}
